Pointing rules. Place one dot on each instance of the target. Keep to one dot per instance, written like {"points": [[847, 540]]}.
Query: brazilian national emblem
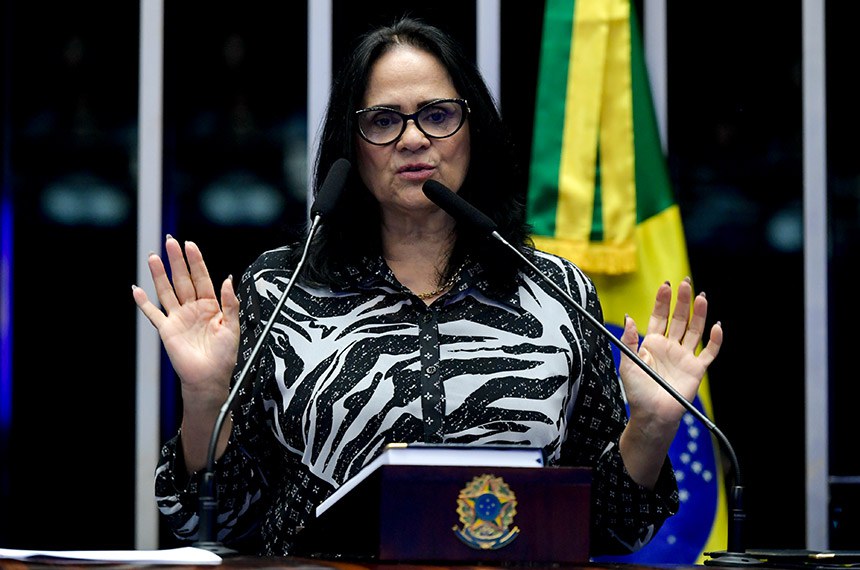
{"points": [[486, 507]]}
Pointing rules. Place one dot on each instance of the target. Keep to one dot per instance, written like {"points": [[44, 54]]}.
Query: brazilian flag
{"points": [[599, 194]]}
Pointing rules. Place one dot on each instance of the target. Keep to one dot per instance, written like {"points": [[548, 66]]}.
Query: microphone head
{"points": [[458, 208], [331, 187]]}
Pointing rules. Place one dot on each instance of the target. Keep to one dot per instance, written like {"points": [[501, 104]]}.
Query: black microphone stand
{"points": [[208, 502], [734, 556]]}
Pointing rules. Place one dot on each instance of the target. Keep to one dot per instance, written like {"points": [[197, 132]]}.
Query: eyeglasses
{"points": [[437, 119]]}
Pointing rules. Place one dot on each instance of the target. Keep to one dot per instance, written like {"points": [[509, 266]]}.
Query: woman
{"points": [[404, 327]]}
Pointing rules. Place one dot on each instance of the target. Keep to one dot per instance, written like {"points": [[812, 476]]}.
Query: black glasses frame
{"points": [[464, 105]]}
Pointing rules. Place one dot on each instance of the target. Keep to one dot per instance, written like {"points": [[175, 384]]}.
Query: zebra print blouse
{"points": [[347, 370]]}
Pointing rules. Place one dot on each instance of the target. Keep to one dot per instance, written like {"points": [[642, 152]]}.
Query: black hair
{"points": [[351, 231]]}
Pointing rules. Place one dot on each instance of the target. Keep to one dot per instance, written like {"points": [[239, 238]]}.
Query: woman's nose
{"points": [[412, 137]]}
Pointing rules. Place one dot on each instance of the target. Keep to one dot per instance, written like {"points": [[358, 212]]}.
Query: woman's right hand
{"points": [[200, 336]]}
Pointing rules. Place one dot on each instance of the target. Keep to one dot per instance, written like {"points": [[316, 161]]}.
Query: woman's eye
{"points": [[383, 121]]}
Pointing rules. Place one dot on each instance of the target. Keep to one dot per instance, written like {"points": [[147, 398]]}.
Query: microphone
{"points": [[325, 201], [465, 213]]}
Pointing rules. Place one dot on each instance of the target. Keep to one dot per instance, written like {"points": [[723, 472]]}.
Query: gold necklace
{"points": [[444, 286]]}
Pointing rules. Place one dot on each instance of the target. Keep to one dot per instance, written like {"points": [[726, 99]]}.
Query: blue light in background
{"points": [[5, 313]]}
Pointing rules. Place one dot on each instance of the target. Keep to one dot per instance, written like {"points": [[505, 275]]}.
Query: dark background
{"points": [[234, 182]]}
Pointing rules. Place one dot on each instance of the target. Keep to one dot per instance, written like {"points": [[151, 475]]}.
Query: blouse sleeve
{"points": [[237, 491]]}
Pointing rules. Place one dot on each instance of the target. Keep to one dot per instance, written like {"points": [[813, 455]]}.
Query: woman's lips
{"points": [[419, 172]]}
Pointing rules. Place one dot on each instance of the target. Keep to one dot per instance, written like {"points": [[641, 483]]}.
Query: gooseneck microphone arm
{"points": [[465, 213], [208, 502]]}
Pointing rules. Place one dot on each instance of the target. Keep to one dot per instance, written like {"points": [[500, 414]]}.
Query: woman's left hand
{"points": [[669, 347]]}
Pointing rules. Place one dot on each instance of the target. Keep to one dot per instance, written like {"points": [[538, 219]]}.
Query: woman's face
{"points": [[406, 78]]}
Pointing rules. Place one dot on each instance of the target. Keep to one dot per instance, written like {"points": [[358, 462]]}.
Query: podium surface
{"points": [[294, 563]]}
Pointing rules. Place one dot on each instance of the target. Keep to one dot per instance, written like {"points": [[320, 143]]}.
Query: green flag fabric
{"points": [[600, 195]]}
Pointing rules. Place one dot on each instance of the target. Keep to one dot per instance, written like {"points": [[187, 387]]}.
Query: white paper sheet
{"points": [[183, 555]]}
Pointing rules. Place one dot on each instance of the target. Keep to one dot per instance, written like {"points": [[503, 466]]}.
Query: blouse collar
{"points": [[373, 273]]}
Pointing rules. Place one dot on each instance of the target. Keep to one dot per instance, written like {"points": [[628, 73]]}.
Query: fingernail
{"points": [[168, 237], [230, 277], [687, 279], [151, 253], [702, 295], [666, 282], [133, 286], [720, 324]]}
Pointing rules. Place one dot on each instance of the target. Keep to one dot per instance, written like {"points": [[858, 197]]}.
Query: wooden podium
{"points": [[445, 514]]}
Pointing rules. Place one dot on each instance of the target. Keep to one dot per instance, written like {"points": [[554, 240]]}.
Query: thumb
{"points": [[229, 303], [630, 336]]}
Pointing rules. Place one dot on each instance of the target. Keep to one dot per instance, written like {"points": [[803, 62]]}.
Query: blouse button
{"points": [[432, 369]]}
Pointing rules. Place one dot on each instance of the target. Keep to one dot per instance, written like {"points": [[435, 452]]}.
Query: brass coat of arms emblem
{"points": [[486, 507]]}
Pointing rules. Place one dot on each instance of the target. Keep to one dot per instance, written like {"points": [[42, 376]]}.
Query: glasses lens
{"points": [[380, 126], [440, 119]]}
